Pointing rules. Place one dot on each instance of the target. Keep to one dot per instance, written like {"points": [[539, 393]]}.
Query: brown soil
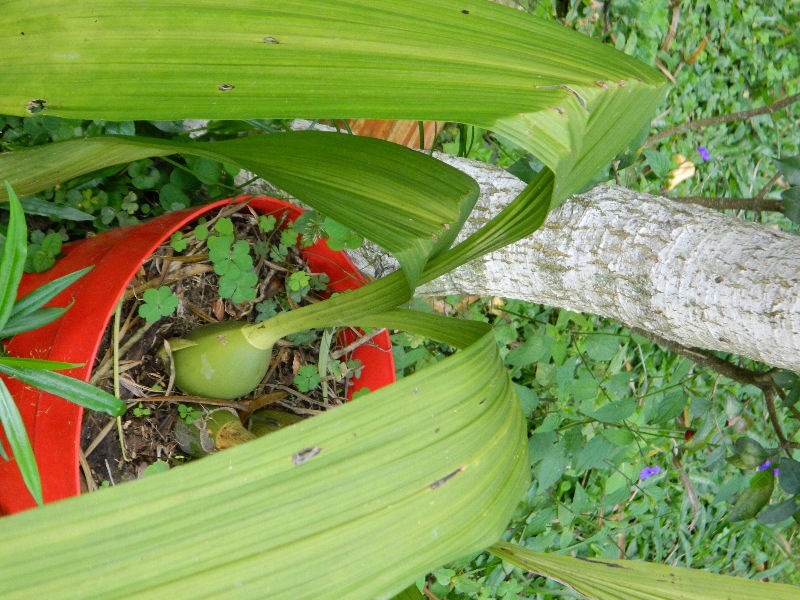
{"points": [[145, 380]]}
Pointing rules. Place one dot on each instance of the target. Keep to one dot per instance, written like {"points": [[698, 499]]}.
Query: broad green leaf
{"points": [[602, 347], [598, 453], [616, 411], [791, 203], [610, 579], [20, 445], [790, 169], [534, 349], [409, 476], [658, 161], [554, 462], [405, 201], [568, 99], [669, 407], [747, 453], [790, 475], [754, 497], [44, 293], [72, 389], [410, 593], [12, 262], [775, 513]]}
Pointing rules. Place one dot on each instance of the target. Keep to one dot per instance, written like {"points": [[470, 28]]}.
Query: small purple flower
{"points": [[704, 153], [766, 465], [649, 472]]}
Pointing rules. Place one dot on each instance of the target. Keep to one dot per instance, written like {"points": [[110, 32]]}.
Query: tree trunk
{"points": [[685, 273]]}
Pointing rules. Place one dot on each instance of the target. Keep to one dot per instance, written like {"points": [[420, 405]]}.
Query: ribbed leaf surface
{"points": [[610, 579], [470, 61], [354, 503]]}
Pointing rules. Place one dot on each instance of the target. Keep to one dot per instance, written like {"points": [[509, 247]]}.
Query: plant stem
{"points": [[115, 336], [729, 118], [363, 339]]}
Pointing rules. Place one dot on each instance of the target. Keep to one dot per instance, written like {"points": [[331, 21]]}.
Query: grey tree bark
{"points": [[685, 273]]}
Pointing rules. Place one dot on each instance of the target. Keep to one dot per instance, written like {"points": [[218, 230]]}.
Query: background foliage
{"points": [[605, 404]]}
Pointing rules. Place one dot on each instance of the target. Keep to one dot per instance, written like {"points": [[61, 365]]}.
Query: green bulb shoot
{"points": [[219, 361]]}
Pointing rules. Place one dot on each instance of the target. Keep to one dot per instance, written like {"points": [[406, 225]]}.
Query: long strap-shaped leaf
{"points": [[12, 261], [526, 213], [36, 373], [470, 61], [609, 579], [405, 201], [355, 503], [14, 429]]}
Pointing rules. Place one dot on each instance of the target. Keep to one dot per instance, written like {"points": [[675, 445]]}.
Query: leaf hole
{"points": [[440, 482], [36, 106], [306, 454]]}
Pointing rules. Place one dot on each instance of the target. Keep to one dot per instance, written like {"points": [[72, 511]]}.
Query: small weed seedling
{"points": [[141, 411], [188, 413]]}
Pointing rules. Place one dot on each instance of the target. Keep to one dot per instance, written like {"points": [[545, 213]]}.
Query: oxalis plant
{"points": [[362, 501]]}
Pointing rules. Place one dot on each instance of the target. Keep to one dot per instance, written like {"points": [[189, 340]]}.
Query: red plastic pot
{"points": [[54, 424]]}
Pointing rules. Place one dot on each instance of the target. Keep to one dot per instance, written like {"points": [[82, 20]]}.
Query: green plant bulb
{"points": [[217, 361]]}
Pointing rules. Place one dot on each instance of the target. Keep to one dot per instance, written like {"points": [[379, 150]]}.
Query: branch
{"points": [[756, 204], [728, 118]]}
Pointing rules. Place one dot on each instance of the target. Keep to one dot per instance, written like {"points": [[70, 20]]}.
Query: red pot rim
{"points": [[54, 424]]}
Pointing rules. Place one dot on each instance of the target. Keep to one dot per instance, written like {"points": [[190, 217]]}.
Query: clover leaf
{"points": [[157, 303]]}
